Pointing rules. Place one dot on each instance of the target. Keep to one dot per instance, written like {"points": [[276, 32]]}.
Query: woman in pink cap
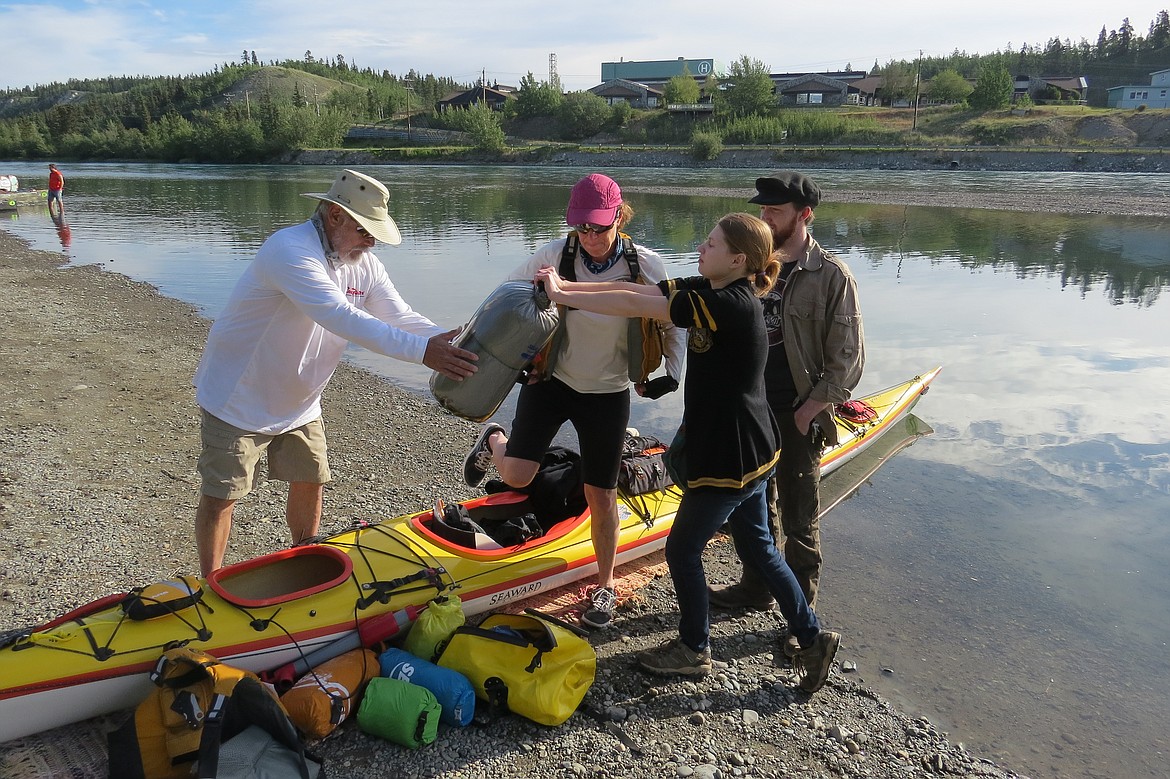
{"points": [[584, 377]]}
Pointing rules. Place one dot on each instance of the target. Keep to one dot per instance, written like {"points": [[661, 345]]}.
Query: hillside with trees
{"points": [[239, 112], [247, 111]]}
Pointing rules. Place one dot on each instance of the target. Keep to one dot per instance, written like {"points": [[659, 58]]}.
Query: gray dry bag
{"points": [[507, 332]]}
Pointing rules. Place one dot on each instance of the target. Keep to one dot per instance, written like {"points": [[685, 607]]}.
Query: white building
{"points": [[1154, 95]]}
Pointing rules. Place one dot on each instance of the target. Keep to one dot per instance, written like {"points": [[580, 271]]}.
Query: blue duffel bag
{"points": [[451, 688]]}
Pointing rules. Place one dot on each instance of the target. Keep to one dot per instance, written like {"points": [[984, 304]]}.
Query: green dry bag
{"points": [[399, 711], [434, 626]]}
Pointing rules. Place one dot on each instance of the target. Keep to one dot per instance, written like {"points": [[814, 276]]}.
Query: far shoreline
{"points": [[1138, 203]]}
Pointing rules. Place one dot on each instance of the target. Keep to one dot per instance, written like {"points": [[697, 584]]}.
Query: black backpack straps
{"points": [[210, 739], [567, 268], [631, 255]]}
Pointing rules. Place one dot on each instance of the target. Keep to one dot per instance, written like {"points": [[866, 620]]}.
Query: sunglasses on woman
{"points": [[592, 228]]}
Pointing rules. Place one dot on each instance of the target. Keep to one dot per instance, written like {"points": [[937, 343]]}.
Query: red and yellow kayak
{"points": [[276, 609]]}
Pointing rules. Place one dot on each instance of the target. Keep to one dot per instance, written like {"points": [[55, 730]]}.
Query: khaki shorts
{"points": [[230, 456]]}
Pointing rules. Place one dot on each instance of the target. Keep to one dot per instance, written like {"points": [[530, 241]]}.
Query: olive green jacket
{"points": [[823, 336]]}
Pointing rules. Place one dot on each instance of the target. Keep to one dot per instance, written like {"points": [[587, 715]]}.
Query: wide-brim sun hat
{"points": [[365, 199], [595, 200]]}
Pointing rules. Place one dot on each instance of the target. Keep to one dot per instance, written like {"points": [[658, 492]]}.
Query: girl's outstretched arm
{"points": [[615, 298]]}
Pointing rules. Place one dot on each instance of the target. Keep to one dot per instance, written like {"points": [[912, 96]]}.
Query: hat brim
{"points": [[593, 216], [385, 231]]}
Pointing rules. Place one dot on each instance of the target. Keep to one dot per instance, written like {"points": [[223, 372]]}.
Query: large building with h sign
{"points": [[656, 73]]}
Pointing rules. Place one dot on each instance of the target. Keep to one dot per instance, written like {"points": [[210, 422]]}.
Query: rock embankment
{"points": [[1152, 160], [1089, 200]]}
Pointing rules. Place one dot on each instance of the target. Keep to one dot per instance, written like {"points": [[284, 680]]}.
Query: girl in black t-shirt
{"points": [[732, 441]]}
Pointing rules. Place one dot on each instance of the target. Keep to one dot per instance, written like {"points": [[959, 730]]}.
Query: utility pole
{"points": [[409, 88], [917, 82], [483, 81]]}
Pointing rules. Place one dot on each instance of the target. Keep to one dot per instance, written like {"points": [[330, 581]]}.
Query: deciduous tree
{"points": [[681, 89], [536, 98], [993, 89], [748, 88], [581, 115], [948, 87]]}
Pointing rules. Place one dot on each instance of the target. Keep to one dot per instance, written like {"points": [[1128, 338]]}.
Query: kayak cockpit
{"points": [[494, 526], [281, 576]]}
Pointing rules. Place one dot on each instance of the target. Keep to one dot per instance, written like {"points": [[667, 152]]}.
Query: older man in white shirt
{"points": [[312, 289]]}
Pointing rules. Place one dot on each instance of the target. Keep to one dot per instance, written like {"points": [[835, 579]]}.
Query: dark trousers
{"points": [[794, 505], [700, 513]]}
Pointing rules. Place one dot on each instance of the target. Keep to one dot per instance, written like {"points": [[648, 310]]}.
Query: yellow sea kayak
{"points": [[276, 609]]}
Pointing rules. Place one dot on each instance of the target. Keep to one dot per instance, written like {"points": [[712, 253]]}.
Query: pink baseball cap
{"points": [[595, 200]]}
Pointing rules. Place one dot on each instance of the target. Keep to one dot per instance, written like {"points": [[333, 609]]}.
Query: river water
{"points": [[1007, 577]]}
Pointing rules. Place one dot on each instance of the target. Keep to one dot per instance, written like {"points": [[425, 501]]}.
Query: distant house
{"points": [[1154, 95], [494, 97], [865, 91], [620, 90], [810, 90], [1047, 89]]}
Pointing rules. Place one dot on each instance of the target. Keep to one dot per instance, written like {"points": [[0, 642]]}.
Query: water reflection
{"points": [[1013, 568], [64, 232], [1127, 258]]}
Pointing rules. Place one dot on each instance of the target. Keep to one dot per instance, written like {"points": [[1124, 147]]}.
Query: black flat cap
{"points": [[786, 186]]}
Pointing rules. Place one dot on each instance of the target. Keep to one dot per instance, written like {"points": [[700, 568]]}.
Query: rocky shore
{"points": [[97, 489], [1089, 201]]}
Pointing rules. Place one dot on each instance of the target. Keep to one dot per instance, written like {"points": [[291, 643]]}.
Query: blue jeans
{"points": [[701, 513]]}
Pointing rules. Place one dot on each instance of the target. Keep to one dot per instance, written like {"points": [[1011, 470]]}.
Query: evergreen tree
{"points": [[1159, 36], [1124, 38]]}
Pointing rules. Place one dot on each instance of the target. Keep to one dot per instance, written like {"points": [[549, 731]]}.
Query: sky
{"points": [[506, 39]]}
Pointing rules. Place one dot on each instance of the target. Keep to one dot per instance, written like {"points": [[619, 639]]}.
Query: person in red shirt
{"points": [[56, 185]]}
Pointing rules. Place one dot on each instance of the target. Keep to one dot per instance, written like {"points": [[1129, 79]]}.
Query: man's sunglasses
{"points": [[589, 228]]}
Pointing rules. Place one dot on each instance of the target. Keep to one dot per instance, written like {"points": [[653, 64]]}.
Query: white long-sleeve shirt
{"points": [[594, 358], [286, 326]]}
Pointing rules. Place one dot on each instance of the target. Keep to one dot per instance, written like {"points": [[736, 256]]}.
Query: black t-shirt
{"points": [[778, 381], [731, 437]]}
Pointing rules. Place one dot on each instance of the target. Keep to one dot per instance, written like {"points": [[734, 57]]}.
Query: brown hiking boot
{"points": [[741, 596], [814, 663], [675, 657]]}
